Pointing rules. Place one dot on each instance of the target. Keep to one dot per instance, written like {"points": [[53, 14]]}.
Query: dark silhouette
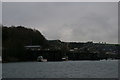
{"points": [[15, 38], [25, 44]]}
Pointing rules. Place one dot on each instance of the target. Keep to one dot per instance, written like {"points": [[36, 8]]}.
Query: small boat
{"points": [[44, 60], [40, 59], [65, 58]]}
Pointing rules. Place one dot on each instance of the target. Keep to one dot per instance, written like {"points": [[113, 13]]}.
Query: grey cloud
{"points": [[66, 21], [0, 12]]}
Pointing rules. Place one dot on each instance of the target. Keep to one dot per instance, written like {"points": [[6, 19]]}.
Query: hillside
{"points": [[16, 37]]}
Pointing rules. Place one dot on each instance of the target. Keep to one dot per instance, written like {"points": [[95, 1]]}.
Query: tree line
{"points": [[14, 39]]}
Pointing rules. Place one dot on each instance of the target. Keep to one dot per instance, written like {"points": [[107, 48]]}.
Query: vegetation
{"points": [[15, 38]]}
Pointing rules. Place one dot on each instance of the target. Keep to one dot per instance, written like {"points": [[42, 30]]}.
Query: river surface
{"points": [[64, 69]]}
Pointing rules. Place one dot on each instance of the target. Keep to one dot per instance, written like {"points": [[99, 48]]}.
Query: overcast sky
{"points": [[0, 12], [79, 21]]}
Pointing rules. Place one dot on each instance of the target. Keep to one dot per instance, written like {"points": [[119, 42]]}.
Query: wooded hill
{"points": [[15, 38]]}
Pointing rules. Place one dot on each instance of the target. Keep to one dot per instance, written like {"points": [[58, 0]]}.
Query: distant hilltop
{"points": [[15, 39]]}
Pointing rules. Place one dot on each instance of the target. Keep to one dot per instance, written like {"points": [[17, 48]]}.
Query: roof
{"points": [[33, 46]]}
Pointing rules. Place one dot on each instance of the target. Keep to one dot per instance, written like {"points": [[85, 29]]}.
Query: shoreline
{"points": [[64, 61]]}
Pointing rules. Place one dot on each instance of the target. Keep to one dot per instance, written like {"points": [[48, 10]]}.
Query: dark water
{"points": [[66, 69]]}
